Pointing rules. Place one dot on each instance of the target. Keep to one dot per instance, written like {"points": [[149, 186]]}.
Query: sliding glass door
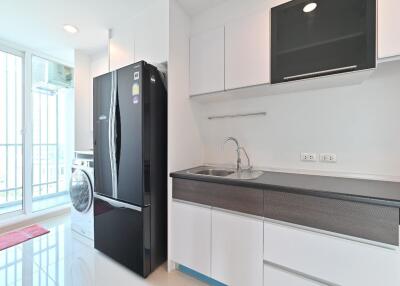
{"points": [[35, 165], [11, 126], [52, 98]]}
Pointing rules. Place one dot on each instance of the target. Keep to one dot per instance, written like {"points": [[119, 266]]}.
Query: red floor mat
{"points": [[18, 236]]}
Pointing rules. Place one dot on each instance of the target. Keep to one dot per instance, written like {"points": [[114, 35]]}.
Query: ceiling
{"points": [[39, 24], [195, 7]]}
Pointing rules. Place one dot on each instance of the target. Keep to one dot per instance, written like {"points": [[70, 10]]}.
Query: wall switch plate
{"points": [[328, 158], [308, 157]]}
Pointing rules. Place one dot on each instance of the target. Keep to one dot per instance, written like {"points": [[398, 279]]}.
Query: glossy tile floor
{"points": [[63, 258]]}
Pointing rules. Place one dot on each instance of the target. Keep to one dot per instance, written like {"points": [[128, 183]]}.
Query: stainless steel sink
{"points": [[239, 173], [215, 172], [226, 173]]}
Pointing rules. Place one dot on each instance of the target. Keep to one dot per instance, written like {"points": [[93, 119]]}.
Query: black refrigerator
{"points": [[130, 166]]}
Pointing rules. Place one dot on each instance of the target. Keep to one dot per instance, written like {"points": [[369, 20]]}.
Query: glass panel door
{"points": [[11, 146], [330, 37], [52, 136]]}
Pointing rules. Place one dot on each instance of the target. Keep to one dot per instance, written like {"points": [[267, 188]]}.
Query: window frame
{"points": [[21, 54], [40, 144], [27, 55]]}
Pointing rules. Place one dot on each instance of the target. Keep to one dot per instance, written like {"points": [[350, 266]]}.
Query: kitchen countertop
{"points": [[359, 190]]}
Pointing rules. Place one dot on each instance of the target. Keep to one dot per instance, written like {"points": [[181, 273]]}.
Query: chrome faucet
{"points": [[239, 159]]}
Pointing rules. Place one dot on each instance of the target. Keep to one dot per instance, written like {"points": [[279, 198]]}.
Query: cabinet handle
{"points": [[117, 204], [319, 72], [111, 135]]}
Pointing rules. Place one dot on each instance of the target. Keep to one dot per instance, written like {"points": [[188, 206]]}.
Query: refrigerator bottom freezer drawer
{"points": [[122, 232]]}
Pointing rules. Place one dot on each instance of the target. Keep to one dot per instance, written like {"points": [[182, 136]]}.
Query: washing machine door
{"points": [[81, 191]]}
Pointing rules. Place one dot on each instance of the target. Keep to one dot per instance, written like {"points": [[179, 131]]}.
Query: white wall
{"points": [[99, 63], [82, 78], [122, 46], [184, 144], [358, 123]]}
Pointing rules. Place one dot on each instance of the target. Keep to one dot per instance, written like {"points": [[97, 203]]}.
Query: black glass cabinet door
{"points": [[122, 231], [101, 112], [130, 134], [337, 36]]}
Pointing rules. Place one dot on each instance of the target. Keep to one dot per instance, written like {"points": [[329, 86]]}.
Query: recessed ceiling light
{"points": [[309, 7], [71, 29]]}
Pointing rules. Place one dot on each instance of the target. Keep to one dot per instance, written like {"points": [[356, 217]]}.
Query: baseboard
{"points": [[201, 277]]}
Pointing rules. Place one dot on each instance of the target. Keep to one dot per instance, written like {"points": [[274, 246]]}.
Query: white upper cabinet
{"points": [[191, 236], [151, 30], [207, 62], [142, 37], [237, 249], [247, 57], [388, 28], [122, 48], [274, 3]]}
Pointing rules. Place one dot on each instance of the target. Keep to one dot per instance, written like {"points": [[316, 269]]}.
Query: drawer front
{"points": [[372, 222], [116, 225], [234, 198], [337, 260], [274, 276], [192, 191]]}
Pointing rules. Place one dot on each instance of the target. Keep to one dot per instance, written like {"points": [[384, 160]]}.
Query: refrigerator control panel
{"points": [[136, 88]]}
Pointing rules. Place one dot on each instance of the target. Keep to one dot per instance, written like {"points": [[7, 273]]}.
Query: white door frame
{"points": [[19, 53]]}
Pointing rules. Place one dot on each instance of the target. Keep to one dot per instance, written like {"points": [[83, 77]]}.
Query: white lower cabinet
{"points": [[237, 249], [274, 276], [336, 260], [191, 236]]}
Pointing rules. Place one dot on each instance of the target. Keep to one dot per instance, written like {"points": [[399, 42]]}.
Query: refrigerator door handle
{"points": [[117, 204], [111, 135]]}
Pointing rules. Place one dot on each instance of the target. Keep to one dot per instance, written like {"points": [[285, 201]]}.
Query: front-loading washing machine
{"points": [[81, 192]]}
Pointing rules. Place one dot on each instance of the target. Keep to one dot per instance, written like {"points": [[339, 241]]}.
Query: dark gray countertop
{"points": [[360, 190]]}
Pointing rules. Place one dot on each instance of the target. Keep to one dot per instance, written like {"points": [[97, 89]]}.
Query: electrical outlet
{"points": [[309, 157], [328, 158]]}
